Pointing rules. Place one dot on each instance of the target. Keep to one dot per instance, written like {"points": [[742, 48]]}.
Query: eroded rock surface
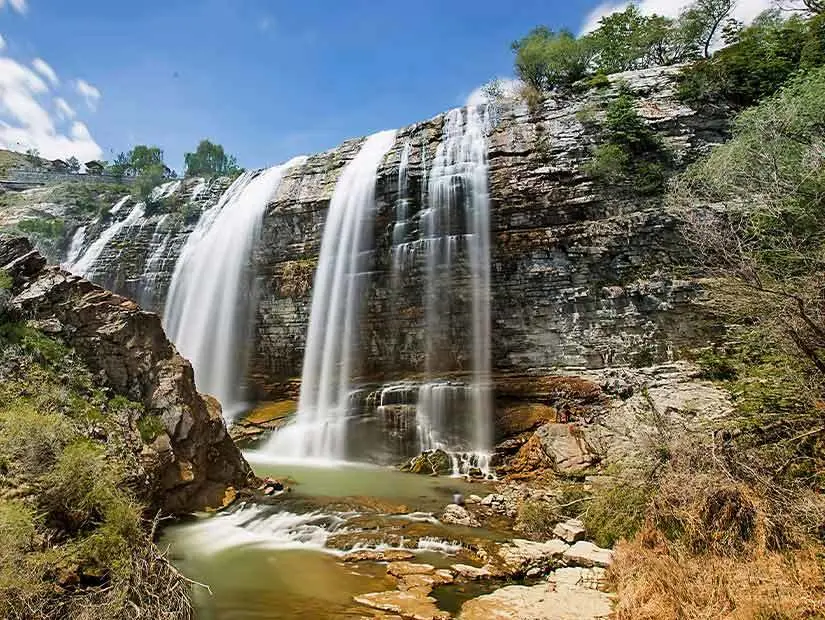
{"points": [[189, 460]]}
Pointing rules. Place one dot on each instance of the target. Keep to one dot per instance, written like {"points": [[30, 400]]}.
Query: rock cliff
{"points": [[178, 436], [584, 275]]}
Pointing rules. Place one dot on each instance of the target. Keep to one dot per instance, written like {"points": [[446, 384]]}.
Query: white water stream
{"points": [[320, 428], [209, 301]]}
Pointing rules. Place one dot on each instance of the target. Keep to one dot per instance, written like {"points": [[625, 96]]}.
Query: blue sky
{"points": [[269, 79]]}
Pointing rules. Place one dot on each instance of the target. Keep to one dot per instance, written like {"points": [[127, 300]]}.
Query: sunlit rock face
{"points": [[581, 275]]}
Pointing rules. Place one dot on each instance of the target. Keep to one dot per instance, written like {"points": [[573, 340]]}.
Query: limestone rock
{"points": [[570, 531], [585, 553], [127, 348], [520, 557], [458, 515], [567, 447], [471, 573], [571, 577], [539, 602], [433, 463], [402, 569], [409, 604], [376, 555]]}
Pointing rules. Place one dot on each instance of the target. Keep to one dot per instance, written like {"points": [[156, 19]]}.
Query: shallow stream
{"points": [[285, 559]]}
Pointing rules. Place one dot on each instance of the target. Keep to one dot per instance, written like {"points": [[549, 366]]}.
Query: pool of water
{"points": [[284, 560]]}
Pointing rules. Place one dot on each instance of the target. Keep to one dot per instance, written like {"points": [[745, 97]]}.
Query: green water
{"points": [[255, 571]]}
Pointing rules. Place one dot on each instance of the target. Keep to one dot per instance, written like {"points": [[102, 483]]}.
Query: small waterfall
{"points": [[456, 231], [84, 265], [75, 247], [324, 403], [160, 244], [401, 226], [209, 299]]}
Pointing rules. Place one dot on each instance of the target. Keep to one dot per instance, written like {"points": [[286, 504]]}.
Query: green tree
{"points": [[764, 56], [146, 160], [546, 59], [703, 20], [622, 40], [33, 155], [209, 160], [73, 163]]}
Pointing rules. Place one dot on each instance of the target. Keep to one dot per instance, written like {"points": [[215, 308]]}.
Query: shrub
{"points": [[629, 153], [617, 511], [50, 228], [6, 281], [31, 442], [150, 428]]}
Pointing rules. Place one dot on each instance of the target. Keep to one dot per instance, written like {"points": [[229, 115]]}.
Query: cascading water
{"points": [[320, 428], [208, 303], [456, 231], [75, 247], [85, 264]]}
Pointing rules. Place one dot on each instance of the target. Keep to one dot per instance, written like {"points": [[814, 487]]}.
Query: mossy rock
{"points": [[431, 463]]}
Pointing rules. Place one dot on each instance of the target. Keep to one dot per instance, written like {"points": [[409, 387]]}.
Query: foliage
{"points": [[48, 227], [546, 59], [150, 428], [73, 163], [617, 511], [703, 19], [73, 543], [6, 281], [629, 152], [33, 155], [762, 58], [210, 160]]}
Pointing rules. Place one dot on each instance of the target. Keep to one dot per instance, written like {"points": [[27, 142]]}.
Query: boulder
{"points": [[522, 557], [571, 577], [585, 553], [538, 602], [471, 573], [432, 462], [566, 447], [570, 531], [458, 515], [409, 604]]}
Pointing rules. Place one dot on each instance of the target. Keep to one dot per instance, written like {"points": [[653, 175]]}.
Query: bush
{"points": [[150, 428], [31, 442], [50, 228], [617, 511], [630, 153], [6, 281]]}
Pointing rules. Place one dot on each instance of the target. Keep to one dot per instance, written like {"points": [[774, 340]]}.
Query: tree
{"points": [[146, 160], [622, 40], [546, 59], [33, 155], [703, 20], [73, 163], [209, 160], [768, 233]]}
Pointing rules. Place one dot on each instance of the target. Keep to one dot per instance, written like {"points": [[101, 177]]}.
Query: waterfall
{"points": [[456, 236], [320, 428], [208, 304], [75, 247], [85, 264]]}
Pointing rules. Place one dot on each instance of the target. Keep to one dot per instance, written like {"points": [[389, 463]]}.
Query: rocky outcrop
{"points": [[178, 435]]}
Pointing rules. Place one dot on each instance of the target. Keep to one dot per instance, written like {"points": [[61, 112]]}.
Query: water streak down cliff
{"points": [[581, 274]]}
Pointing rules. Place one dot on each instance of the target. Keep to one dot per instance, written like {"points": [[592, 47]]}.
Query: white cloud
{"points": [[745, 10], [43, 68], [64, 110], [88, 92], [18, 5], [26, 123], [2, 43]]}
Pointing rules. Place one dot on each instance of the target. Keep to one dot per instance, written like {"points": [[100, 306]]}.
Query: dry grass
{"points": [[655, 581]]}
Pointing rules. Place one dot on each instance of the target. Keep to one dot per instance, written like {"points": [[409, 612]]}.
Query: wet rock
{"points": [[409, 604], [375, 555], [458, 515], [471, 573], [539, 602], [570, 531], [402, 569], [473, 499], [432, 462], [585, 553]]}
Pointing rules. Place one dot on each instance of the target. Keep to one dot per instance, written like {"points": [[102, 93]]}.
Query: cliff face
{"points": [[583, 275], [178, 437]]}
